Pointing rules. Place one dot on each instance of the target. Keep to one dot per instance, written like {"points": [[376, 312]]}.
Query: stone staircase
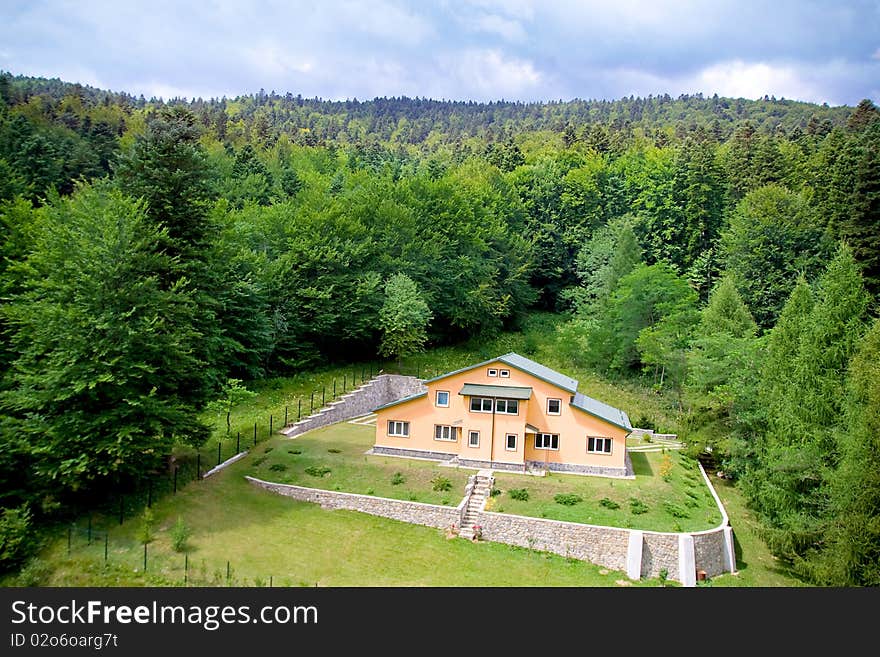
{"points": [[476, 502]]}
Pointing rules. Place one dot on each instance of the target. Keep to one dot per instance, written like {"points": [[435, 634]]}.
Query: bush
{"points": [[180, 534], [146, 532], [521, 494], [637, 507], [398, 479], [675, 510], [333, 450], [568, 499], [278, 467], [259, 460], [295, 451], [35, 573], [317, 470], [16, 536], [609, 504], [495, 492], [441, 483]]}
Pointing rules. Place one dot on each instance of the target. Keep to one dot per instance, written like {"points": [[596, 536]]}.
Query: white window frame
{"points": [[492, 372], [437, 399], [404, 428], [545, 439], [481, 410], [450, 430], [599, 450], [471, 434], [504, 374], [558, 401], [507, 403], [507, 438]]}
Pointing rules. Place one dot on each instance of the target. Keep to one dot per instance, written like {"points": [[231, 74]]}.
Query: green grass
{"points": [[350, 470], [265, 535], [685, 489]]}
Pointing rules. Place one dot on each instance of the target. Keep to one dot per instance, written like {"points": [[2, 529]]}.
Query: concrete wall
{"points": [[418, 513], [382, 389]]}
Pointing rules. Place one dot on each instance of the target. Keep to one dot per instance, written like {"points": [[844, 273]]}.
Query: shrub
{"points": [[637, 507], [268, 449], [675, 510], [333, 450], [495, 492], [294, 451], [259, 460], [663, 575], [609, 504], [666, 467], [16, 536], [568, 499], [441, 483], [180, 534], [148, 525], [370, 491], [35, 573], [278, 467], [317, 470], [398, 479], [521, 494]]}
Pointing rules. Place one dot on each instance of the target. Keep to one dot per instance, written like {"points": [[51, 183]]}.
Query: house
{"points": [[507, 413]]}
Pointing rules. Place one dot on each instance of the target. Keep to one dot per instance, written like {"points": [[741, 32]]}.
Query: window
{"points": [[474, 439], [598, 445], [546, 441], [481, 405], [396, 428], [554, 407], [444, 432], [504, 374], [510, 442], [507, 406], [492, 372], [443, 398]]}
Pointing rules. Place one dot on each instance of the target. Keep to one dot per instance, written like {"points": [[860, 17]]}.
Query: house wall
{"points": [[572, 425]]}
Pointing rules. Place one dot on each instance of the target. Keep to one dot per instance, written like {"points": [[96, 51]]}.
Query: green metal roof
{"points": [[524, 364], [505, 392], [401, 401], [602, 411]]}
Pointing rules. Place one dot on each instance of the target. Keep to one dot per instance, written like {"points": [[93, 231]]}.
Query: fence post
{"points": [[185, 568], [344, 382], [371, 370], [145, 557], [312, 403], [238, 443], [285, 416], [323, 396], [121, 507], [334, 388], [175, 480], [270, 581], [299, 403], [218, 452], [227, 572], [106, 545], [270, 424], [198, 465], [255, 434]]}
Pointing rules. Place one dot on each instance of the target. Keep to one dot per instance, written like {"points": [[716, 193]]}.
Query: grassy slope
{"points": [[264, 535]]}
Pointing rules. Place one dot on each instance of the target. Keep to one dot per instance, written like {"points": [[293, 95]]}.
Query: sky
{"points": [[824, 51]]}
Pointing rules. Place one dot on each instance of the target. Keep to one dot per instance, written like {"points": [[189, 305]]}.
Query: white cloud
{"points": [[741, 79], [510, 30], [489, 74]]}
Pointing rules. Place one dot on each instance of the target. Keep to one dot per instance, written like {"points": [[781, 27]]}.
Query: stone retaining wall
{"points": [[381, 390], [431, 515]]}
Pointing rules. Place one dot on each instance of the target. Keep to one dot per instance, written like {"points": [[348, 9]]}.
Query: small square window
{"points": [[504, 374], [398, 429], [510, 442], [474, 439], [554, 407], [492, 372], [443, 398]]}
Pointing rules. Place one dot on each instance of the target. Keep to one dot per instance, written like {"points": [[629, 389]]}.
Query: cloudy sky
{"points": [[814, 50]]}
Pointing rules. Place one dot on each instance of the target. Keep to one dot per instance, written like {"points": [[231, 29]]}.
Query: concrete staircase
{"points": [[476, 502]]}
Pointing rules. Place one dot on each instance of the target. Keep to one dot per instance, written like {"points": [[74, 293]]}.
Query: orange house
{"points": [[507, 413]]}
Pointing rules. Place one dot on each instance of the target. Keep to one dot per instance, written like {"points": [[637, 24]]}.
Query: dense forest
{"points": [[723, 252]]}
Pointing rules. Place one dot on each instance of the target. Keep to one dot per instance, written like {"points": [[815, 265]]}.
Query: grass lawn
{"points": [[265, 535], [683, 503], [337, 451]]}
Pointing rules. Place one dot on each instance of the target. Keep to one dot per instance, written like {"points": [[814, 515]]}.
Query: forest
{"points": [[723, 253]]}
